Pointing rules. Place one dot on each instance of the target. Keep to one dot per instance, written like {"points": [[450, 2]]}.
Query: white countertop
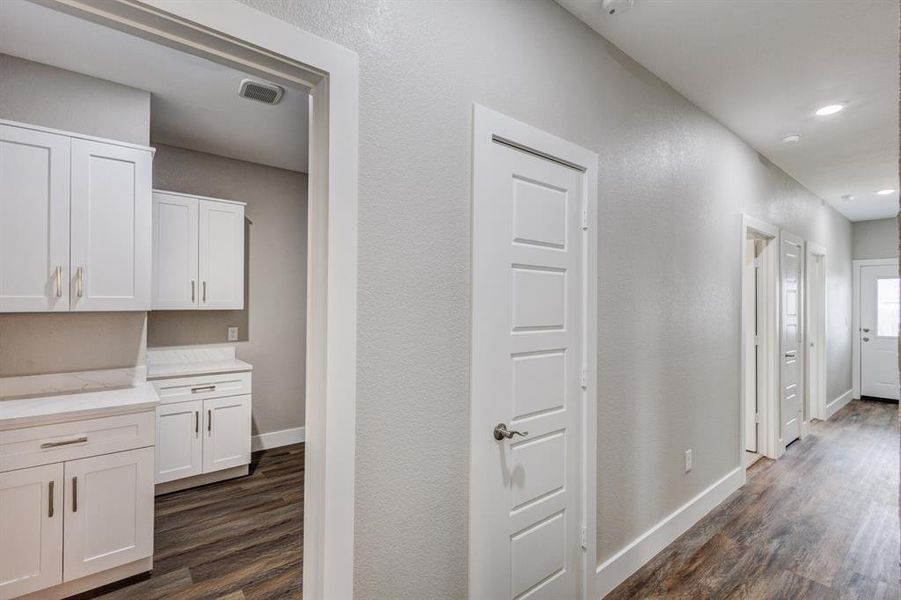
{"points": [[185, 361], [57, 408], [188, 369]]}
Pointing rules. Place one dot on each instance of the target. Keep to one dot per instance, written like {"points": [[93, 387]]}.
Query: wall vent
{"points": [[267, 93]]}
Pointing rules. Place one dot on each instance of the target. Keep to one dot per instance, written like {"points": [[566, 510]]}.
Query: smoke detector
{"points": [[615, 7], [261, 91]]}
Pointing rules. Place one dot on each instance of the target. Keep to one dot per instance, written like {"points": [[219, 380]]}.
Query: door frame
{"points": [[768, 361], [488, 126], [856, 266], [234, 34], [815, 408]]}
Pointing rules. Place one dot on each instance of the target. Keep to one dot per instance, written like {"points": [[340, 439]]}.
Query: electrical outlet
{"points": [[688, 460], [233, 334]]}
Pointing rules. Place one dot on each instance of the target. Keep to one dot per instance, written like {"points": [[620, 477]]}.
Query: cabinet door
{"points": [[34, 221], [175, 230], [179, 442], [31, 530], [111, 227], [109, 512], [221, 255], [227, 441]]}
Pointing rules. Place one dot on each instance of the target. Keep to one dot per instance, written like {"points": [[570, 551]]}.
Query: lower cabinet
{"points": [[202, 436], [108, 512], [31, 528], [63, 521]]}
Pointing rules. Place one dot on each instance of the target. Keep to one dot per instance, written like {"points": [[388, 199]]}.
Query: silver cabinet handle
{"points": [[79, 282], [192, 290], [203, 388], [501, 432], [79, 440], [790, 354], [196, 422], [75, 494], [50, 487], [204, 291], [59, 282], [209, 421]]}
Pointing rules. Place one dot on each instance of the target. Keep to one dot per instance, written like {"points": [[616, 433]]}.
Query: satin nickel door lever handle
{"points": [[501, 432], [59, 282]]}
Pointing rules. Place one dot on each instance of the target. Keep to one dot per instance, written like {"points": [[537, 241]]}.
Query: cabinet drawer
{"points": [[45, 444], [202, 387]]}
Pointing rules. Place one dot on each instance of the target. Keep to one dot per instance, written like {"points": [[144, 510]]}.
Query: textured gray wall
{"points": [[875, 239], [41, 95], [673, 184], [272, 326]]}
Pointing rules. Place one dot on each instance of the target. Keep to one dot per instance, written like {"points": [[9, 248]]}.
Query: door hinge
{"points": [[756, 340], [583, 538], [756, 263], [583, 377], [584, 219], [757, 417]]}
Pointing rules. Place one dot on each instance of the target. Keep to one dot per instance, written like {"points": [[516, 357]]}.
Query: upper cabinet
{"points": [[198, 252], [75, 223]]}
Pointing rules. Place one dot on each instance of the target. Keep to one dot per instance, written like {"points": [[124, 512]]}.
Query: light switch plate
{"points": [[233, 334]]}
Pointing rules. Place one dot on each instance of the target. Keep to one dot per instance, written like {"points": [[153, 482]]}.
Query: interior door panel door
{"points": [[792, 371]]}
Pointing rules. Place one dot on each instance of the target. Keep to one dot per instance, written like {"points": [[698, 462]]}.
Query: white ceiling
{"points": [[194, 102], [763, 67]]}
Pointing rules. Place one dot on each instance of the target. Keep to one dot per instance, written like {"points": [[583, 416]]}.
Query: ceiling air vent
{"points": [[267, 93]]}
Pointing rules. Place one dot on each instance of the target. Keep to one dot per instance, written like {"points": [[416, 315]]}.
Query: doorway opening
{"points": [[323, 78], [759, 339]]}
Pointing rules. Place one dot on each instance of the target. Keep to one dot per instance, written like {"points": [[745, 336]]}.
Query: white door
{"points": [[816, 338], [528, 336], [34, 220], [111, 227], [31, 530], [175, 244], [179, 440], [879, 331], [792, 248], [221, 255], [109, 512], [227, 441]]}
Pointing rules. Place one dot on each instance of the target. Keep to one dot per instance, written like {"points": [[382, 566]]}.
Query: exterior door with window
{"points": [[879, 315]]}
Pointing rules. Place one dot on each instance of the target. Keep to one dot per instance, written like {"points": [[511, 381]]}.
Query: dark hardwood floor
{"points": [[821, 522], [238, 539]]}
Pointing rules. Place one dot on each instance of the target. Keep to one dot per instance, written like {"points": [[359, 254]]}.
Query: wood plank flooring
{"points": [[238, 540], [821, 522]]}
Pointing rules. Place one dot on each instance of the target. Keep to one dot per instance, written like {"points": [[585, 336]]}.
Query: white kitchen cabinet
{"points": [[227, 442], [34, 220], [31, 530], [198, 252], [111, 227], [75, 222], [175, 246], [179, 440], [109, 511]]}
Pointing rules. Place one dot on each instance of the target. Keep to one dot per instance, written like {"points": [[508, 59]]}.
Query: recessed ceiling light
{"points": [[792, 139], [885, 192], [830, 109], [848, 197]]}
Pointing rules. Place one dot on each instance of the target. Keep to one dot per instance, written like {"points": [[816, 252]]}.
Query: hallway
{"points": [[822, 522]]}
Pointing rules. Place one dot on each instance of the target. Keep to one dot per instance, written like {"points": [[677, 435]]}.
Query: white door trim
{"points": [[816, 407], [856, 266], [489, 125], [229, 32], [768, 365]]}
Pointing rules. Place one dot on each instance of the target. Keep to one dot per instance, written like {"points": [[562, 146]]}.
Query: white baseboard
{"points": [[839, 403], [274, 439], [617, 568]]}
